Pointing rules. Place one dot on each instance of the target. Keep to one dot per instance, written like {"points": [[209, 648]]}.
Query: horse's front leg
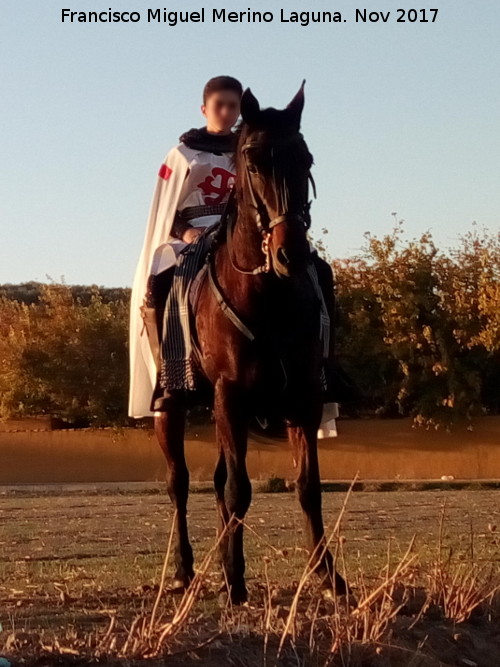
{"points": [[220, 479], [232, 430], [169, 430], [302, 429]]}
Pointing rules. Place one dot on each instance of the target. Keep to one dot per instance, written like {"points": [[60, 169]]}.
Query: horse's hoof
{"points": [[343, 601], [222, 597], [237, 596], [328, 594], [178, 586], [350, 601], [336, 586]]}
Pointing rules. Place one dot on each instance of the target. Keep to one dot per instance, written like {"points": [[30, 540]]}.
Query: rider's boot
{"points": [[152, 311]]}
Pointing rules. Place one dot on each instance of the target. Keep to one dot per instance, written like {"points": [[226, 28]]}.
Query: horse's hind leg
{"points": [[169, 429], [302, 436], [232, 428]]}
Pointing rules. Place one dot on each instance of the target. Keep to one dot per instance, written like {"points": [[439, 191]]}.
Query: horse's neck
{"points": [[255, 295], [246, 292], [269, 305]]}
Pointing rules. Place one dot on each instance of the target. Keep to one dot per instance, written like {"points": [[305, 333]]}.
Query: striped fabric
{"points": [[191, 212], [177, 369]]}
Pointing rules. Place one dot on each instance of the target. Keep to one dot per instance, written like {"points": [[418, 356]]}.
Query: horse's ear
{"points": [[297, 104], [250, 108]]}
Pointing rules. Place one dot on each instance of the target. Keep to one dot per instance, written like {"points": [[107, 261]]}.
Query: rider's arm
{"points": [[179, 226]]}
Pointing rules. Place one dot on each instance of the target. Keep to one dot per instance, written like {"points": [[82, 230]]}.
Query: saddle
{"points": [[179, 345]]}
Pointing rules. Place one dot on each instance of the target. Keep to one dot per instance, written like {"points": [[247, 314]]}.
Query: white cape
{"points": [[161, 216]]}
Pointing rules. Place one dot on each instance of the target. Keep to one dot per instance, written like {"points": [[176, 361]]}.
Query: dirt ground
{"points": [[71, 557]]}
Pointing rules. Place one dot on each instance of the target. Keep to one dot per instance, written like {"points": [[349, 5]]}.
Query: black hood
{"points": [[200, 139]]}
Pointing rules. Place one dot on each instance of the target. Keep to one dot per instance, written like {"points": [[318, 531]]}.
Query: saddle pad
{"points": [[177, 365]]}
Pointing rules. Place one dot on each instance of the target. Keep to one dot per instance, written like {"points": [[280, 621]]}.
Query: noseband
{"points": [[264, 223]]}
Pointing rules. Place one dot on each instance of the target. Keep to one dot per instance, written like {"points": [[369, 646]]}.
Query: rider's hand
{"points": [[192, 234]]}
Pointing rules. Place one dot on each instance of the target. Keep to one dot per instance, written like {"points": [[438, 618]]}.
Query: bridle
{"points": [[264, 223]]}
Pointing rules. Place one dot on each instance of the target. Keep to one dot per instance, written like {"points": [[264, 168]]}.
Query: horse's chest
{"points": [[291, 313], [284, 321]]}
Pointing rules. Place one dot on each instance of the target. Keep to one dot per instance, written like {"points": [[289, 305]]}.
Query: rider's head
{"points": [[221, 103]]}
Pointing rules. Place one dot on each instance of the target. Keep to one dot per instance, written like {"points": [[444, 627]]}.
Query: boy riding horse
{"points": [[193, 186]]}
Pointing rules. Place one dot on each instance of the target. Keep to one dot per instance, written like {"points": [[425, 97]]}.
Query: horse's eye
{"points": [[253, 159]]}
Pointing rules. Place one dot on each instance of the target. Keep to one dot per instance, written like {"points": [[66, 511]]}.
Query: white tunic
{"points": [[187, 177]]}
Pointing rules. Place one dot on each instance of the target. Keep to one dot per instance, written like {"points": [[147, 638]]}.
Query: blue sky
{"points": [[400, 117]]}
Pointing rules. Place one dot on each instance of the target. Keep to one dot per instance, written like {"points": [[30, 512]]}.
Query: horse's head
{"points": [[273, 169]]}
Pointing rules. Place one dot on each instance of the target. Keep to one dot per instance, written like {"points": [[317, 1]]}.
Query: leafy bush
{"points": [[418, 329], [63, 358]]}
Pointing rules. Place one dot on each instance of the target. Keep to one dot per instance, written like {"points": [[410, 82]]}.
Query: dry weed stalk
{"points": [[458, 588], [346, 629], [168, 630], [353, 623], [148, 638], [369, 621], [308, 571]]}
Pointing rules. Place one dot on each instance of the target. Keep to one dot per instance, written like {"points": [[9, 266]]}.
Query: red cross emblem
{"points": [[164, 172], [216, 185]]}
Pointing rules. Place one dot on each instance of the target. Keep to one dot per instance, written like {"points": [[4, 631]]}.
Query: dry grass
{"points": [[456, 585], [391, 622]]}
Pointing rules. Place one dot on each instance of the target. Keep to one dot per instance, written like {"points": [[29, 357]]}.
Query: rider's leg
{"points": [[155, 301], [327, 285], [340, 387]]}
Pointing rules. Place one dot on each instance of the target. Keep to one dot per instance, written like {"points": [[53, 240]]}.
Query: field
{"points": [[80, 569]]}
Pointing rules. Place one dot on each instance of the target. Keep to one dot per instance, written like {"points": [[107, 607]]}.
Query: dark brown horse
{"points": [[261, 351]]}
